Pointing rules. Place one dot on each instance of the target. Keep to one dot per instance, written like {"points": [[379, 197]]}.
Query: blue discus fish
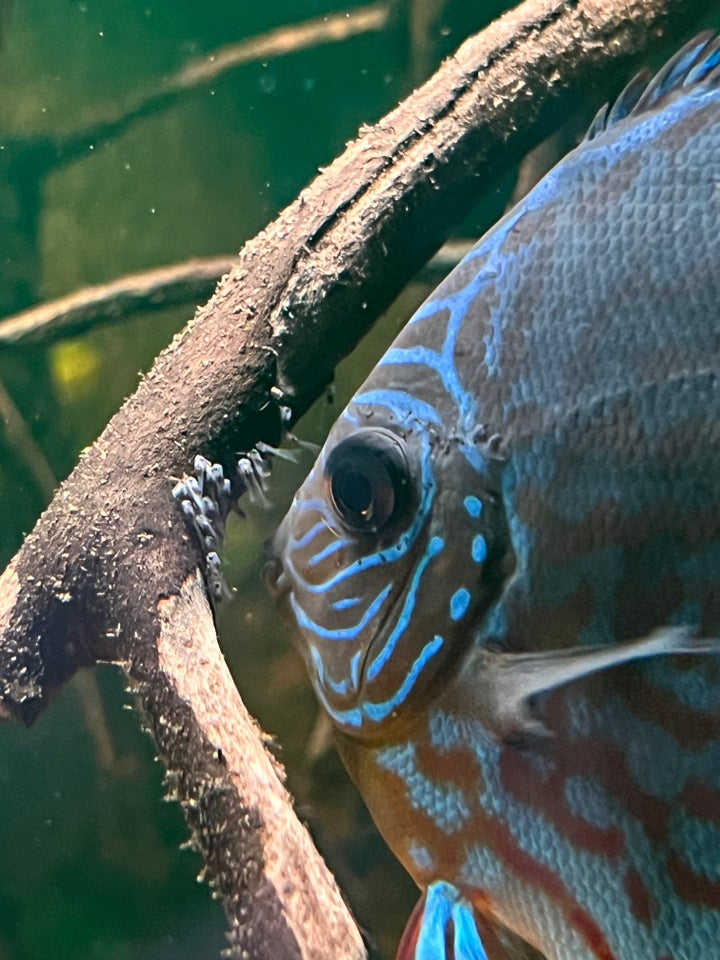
{"points": [[505, 564]]}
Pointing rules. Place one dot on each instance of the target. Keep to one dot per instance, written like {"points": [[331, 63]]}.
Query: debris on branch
{"points": [[110, 574]]}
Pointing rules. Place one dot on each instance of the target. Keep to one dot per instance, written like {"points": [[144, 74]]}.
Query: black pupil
{"points": [[368, 481], [354, 491]]}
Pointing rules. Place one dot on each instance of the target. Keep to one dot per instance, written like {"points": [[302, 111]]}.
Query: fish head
{"points": [[383, 557]]}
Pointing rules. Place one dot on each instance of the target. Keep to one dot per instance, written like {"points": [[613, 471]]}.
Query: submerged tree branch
{"points": [[181, 284], [109, 573]]}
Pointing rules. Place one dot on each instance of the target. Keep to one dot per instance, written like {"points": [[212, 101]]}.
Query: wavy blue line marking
{"points": [[338, 686], [379, 711], [424, 357], [327, 552], [320, 506], [346, 602], [346, 633], [347, 684], [355, 664], [435, 547], [400, 402], [429, 309], [308, 537]]}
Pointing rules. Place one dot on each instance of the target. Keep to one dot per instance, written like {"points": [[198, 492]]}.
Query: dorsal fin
{"points": [[698, 62]]}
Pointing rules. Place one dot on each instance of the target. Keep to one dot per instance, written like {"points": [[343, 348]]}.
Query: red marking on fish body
{"points": [[544, 879], [456, 766], [546, 795], [592, 934], [692, 728], [692, 887], [701, 801], [641, 901]]}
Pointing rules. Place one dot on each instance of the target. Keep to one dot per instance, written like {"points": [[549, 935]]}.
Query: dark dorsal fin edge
{"points": [[695, 64]]}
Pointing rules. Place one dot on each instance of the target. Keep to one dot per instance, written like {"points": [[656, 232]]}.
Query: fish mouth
{"points": [[279, 584], [274, 576], [359, 671], [273, 572]]}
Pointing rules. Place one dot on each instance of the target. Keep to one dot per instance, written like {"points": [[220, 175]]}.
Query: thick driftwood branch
{"points": [[109, 573]]}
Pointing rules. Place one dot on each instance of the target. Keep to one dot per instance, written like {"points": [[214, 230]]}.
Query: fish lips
{"points": [[273, 571]]}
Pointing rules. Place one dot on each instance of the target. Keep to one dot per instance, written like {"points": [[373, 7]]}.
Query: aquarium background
{"points": [[91, 864]]}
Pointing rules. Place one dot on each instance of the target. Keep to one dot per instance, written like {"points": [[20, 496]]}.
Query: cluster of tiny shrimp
{"points": [[208, 497]]}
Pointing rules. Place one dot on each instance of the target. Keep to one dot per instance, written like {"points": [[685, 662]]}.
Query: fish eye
{"points": [[369, 481]]}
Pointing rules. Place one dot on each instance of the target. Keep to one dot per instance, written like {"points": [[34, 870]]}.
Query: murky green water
{"points": [[90, 857]]}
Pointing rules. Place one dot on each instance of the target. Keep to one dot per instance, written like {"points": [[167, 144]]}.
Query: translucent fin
{"points": [[697, 63], [254, 471], [506, 683]]}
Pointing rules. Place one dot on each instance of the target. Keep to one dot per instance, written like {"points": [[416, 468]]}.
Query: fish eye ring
{"points": [[368, 481]]}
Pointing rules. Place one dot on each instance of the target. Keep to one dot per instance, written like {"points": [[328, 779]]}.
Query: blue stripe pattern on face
{"points": [[345, 633], [346, 603], [405, 405], [317, 528], [443, 364], [388, 554], [436, 545], [329, 550], [380, 711], [344, 686], [457, 306]]}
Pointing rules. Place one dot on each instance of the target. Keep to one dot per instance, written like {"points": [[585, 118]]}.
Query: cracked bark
{"points": [[109, 573]]}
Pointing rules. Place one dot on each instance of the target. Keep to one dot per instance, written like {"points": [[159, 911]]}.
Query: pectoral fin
{"points": [[508, 682]]}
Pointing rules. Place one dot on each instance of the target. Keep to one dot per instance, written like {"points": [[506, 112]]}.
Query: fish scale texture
{"points": [[505, 564]]}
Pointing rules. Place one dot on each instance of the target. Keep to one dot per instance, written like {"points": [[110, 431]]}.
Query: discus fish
{"points": [[505, 564]]}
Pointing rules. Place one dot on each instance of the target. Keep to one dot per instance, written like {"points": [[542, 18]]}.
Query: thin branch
{"points": [[182, 284], [109, 573], [285, 40], [50, 151]]}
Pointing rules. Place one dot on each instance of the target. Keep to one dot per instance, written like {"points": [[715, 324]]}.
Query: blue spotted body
{"points": [[505, 564]]}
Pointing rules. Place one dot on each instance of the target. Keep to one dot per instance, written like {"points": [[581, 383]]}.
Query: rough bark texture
{"points": [[107, 572]]}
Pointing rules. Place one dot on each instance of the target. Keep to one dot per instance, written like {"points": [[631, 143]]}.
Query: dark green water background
{"points": [[90, 859]]}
